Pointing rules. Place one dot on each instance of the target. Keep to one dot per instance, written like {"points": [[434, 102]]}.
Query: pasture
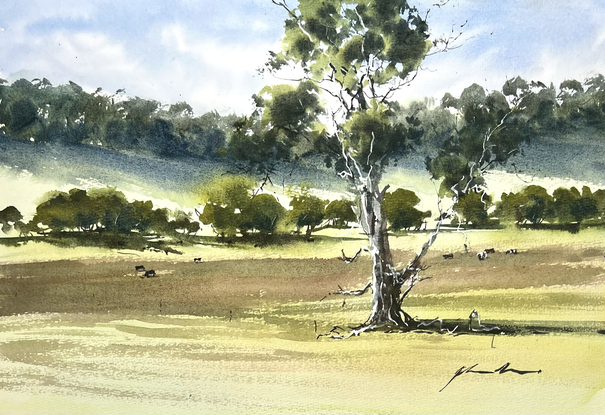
{"points": [[82, 332]]}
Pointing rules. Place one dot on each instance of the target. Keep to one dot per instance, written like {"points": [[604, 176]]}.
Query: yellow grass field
{"points": [[80, 332]]}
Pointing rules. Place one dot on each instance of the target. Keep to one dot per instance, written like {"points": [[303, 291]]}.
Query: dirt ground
{"points": [[237, 333]]}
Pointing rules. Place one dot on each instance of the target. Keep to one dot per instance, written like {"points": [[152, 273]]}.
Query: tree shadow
{"points": [[462, 327]]}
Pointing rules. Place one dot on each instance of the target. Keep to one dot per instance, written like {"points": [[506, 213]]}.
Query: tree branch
{"points": [[353, 292], [347, 259]]}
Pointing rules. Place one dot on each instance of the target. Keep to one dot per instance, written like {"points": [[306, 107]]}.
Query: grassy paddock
{"points": [[82, 333]]}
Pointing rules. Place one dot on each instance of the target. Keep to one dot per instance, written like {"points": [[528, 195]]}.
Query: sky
{"points": [[207, 52]]}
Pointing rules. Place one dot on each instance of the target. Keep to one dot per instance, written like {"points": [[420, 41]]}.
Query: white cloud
{"points": [[222, 75], [24, 14], [210, 60], [260, 26]]}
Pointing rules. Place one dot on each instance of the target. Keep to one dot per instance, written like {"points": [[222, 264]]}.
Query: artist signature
{"points": [[502, 369]]}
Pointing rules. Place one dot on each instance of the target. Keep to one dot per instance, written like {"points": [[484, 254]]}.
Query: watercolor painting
{"points": [[312, 206]]}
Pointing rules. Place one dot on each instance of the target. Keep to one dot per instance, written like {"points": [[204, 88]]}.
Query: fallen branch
{"points": [[354, 332], [482, 328], [430, 323]]}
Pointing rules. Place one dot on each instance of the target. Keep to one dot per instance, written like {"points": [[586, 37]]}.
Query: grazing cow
{"points": [[150, 273], [482, 255], [197, 260], [139, 268], [511, 251], [490, 251], [448, 256], [179, 243]]}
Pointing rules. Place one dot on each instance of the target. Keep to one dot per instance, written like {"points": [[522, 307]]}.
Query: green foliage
{"points": [[230, 206], [307, 210], [340, 212], [182, 221], [67, 114], [100, 210], [398, 206], [566, 206], [537, 204], [357, 54], [283, 127], [9, 218], [224, 220], [224, 200], [347, 34], [375, 139], [489, 130], [564, 199], [263, 214], [532, 204], [472, 208]]}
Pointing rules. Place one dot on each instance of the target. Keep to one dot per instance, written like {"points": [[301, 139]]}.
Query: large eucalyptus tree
{"points": [[356, 55]]}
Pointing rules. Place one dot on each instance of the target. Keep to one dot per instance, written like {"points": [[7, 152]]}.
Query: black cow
{"points": [[490, 251], [482, 255], [511, 251], [139, 268], [197, 260], [448, 256], [150, 273]]}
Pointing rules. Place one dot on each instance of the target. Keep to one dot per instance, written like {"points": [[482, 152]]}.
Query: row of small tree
{"points": [[232, 205], [97, 210], [533, 204]]}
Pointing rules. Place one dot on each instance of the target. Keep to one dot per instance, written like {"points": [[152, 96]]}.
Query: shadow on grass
{"points": [[461, 327], [170, 243], [261, 241], [107, 240]]}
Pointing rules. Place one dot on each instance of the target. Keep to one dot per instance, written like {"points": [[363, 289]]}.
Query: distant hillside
{"points": [[172, 178]]}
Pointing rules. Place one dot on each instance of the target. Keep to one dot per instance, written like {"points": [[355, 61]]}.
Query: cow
{"points": [[511, 251], [482, 255], [150, 273], [197, 260], [139, 268], [490, 251], [448, 256]]}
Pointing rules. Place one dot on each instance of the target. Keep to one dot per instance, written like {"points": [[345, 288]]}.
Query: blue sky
{"points": [[206, 52]]}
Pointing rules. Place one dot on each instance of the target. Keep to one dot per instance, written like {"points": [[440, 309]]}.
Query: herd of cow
{"points": [[149, 273], [483, 254]]}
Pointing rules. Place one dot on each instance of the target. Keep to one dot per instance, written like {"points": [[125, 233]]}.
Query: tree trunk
{"points": [[386, 309], [386, 280]]}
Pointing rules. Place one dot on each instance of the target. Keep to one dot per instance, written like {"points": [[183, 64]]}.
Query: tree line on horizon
{"points": [[66, 114], [41, 112]]}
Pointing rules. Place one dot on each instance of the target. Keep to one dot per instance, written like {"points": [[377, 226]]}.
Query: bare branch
{"points": [[293, 15], [347, 259], [353, 292]]}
